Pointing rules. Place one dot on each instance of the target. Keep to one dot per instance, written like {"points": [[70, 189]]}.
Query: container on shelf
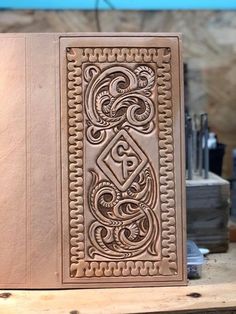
{"points": [[195, 260]]}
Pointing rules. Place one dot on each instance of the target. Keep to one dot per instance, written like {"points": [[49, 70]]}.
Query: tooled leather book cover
{"points": [[91, 161]]}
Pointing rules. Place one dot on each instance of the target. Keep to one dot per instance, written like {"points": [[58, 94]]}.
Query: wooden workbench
{"points": [[216, 290]]}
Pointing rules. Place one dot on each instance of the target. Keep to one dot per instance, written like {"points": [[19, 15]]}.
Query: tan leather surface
{"points": [[78, 210]]}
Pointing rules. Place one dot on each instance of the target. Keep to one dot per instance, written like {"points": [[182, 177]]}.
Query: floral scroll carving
{"points": [[119, 96], [126, 224], [111, 97]]}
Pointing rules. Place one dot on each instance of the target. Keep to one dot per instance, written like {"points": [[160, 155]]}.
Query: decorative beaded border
{"points": [[78, 266]]}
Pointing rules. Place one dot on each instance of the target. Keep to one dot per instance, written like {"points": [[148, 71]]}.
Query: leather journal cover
{"points": [[91, 161]]}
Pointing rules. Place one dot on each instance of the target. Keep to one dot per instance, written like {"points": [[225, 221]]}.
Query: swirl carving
{"points": [[125, 225], [119, 97], [116, 96]]}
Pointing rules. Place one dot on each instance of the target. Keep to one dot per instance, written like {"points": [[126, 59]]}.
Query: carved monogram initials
{"points": [[125, 94], [122, 160]]}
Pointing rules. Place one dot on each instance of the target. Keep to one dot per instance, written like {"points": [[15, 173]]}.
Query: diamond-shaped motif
{"points": [[122, 160]]}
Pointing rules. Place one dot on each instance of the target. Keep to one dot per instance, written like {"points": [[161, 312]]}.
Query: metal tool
{"points": [[200, 150], [197, 152], [206, 150], [189, 147], [195, 133]]}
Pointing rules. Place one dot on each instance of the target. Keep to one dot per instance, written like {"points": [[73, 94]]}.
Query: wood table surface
{"points": [[214, 292]]}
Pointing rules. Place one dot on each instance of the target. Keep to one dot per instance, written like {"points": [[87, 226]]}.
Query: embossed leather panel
{"points": [[121, 148], [91, 161]]}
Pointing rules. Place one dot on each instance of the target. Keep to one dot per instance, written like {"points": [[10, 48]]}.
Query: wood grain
{"points": [[215, 291], [208, 212]]}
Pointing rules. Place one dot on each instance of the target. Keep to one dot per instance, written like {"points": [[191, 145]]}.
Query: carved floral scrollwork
{"points": [[126, 224], [118, 95]]}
